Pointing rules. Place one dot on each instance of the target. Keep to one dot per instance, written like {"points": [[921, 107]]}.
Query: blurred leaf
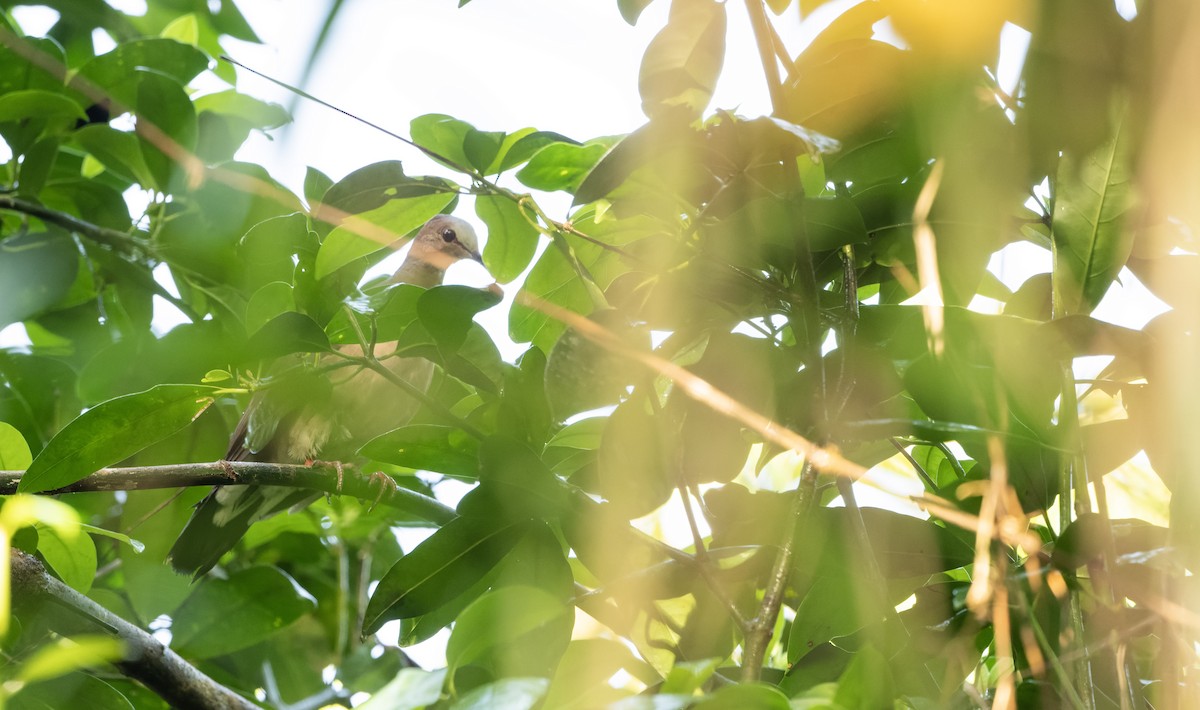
{"points": [[36, 103], [255, 603], [162, 102], [37, 269], [399, 216], [285, 334], [514, 484], [631, 10], [512, 239], [426, 447], [73, 690], [411, 689], [14, 452], [439, 569], [681, 65], [507, 693], [745, 695], [518, 630], [113, 431], [68, 655], [635, 471], [316, 184], [1091, 242]]}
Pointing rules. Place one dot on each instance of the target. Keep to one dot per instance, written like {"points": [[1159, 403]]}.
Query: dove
{"points": [[327, 419]]}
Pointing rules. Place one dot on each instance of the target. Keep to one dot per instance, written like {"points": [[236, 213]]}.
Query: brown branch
{"points": [[321, 476], [146, 659]]}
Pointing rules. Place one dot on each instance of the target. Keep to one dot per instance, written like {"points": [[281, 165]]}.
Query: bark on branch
{"points": [[320, 476], [146, 660]]}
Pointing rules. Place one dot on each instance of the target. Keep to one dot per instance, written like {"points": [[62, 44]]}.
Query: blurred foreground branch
{"points": [[146, 659]]}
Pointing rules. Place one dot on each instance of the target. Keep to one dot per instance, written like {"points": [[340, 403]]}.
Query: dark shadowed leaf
{"points": [[453, 559], [253, 604], [37, 269], [447, 312], [113, 431], [285, 334]]}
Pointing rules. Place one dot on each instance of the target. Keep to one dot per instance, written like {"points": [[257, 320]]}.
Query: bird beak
{"points": [[476, 256]]}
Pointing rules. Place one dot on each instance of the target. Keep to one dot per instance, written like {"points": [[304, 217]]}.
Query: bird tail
{"points": [[208, 535]]}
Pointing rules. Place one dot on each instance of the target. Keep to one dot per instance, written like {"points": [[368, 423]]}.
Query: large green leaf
{"points": [[517, 631], [447, 312], [512, 238], [37, 269], [14, 452], [1091, 239], [448, 563], [427, 447], [113, 431], [399, 217], [680, 68], [253, 604]]}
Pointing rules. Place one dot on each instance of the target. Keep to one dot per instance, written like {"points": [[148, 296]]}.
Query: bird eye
{"points": [[449, 235]]}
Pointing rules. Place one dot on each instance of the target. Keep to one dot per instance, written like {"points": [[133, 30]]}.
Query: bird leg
{"points": [[228, 469], [337, 465], [387, 485]]}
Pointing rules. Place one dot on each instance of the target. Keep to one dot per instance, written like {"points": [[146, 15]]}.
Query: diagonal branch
{"points": [[146, 659]]}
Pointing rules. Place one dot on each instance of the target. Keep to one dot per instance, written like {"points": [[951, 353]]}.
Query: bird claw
{"points": [[337, 465], [387, 485], [228, 469]]}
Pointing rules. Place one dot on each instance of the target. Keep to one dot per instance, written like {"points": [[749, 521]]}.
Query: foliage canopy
{"points": [[760, 308]]}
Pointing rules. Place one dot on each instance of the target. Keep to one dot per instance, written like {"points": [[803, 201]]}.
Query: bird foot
{"points": [[337, 465], [387, 485], [228, 469]]}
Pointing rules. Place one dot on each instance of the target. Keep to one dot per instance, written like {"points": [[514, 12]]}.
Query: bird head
{"points": [[444, 240]]}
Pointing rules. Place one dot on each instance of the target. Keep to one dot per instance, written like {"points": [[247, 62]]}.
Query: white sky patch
{"points": [[36, 20], [1014, 46], [1016, 262], [1129, 303]]}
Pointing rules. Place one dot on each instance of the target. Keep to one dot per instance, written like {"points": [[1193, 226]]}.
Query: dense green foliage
{"points": [[773, 256]]}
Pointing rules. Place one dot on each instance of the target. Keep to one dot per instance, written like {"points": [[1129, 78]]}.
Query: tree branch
{"points": [[146, 659], [117, 240], [321, 476]]}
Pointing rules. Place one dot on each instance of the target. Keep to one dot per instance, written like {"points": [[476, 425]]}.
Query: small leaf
{"points": [[448, 563], [507, 693], [184, 29], [113, 431], [253, 605], [1091, 242], [427, 447], [347, 242], [411, 689], [137, 546], [72, 557], [14, 452], [512, 238], [316, 184]]}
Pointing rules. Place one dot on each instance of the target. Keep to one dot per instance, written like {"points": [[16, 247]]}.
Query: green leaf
{"points": [[14, 452], [746, 695], [113, 431], [185, 29], [253, 604], [118, 151], [35, 103], [411, 689], [439, 569], [514, 484], [254, 112], [316, 184], [1091, 241], [76, 689], [519, 147], [561, 166], [447, 312], [64, 656], [162, 102], [269, 302], [285, 334], [507, 693], [72, 557], [175, 60], [347, 243], [635, 456], [516, 630], [687, 677], [833, 222], [512, 238], [427, 447], [482, 147], [444, 135], [631, 10], [37, 269], [680, 68]]}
